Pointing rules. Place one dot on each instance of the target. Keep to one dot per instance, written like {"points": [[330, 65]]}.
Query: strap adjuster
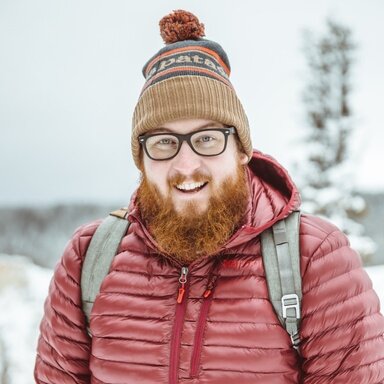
{"points": [[295, 340], [290, 301], [121, 213]]}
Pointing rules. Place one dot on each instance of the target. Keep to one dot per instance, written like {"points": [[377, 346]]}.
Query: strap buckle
{"points": [[290, 301]]}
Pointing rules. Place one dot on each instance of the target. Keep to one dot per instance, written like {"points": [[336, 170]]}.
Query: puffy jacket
{"points": [[223, 329]]}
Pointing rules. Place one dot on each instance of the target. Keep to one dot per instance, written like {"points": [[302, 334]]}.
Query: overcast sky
{"points": [[70, 75]]}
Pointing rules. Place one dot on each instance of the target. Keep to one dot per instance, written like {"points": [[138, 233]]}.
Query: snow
{"points": [[23, 288], [376, 273]]}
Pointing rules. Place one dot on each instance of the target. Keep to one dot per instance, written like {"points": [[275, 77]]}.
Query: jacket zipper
{"points": [[200, 327], [181, 307]]}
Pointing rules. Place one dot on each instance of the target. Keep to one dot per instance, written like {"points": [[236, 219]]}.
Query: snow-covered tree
{"points": [[327, 172]]}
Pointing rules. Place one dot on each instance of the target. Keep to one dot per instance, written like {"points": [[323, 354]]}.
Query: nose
{"points": [[186, 161]]}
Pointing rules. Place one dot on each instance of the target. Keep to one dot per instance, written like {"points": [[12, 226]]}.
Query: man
{"points": [[186, 298]]}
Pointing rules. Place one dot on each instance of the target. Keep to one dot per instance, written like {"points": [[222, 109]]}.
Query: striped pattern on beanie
{"points": [[195, 58]]}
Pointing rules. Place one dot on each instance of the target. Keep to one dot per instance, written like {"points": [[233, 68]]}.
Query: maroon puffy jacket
{"points": [[224, 329]]}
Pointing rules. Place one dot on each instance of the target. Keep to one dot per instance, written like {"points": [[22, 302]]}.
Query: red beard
{"points": [[190, 234]]}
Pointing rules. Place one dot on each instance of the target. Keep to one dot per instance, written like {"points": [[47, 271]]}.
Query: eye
{"points": [[206, 138], [166, 141], [162, 142]]}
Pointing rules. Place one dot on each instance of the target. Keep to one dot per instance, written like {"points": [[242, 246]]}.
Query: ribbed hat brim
{"points": [[186, 97]]}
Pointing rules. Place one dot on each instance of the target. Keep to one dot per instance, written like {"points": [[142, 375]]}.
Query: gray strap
{"points": [[281, 257], [98, 259]]}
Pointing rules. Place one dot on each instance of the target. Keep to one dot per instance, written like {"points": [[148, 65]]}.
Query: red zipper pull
{"points": [[207, 293], [182, 281], [210, 286]]}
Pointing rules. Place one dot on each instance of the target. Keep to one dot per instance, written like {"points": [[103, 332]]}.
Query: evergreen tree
{"points": [[327, 183]]}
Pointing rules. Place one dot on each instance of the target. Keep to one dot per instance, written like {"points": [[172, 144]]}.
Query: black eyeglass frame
{"points": [[187, 137]]}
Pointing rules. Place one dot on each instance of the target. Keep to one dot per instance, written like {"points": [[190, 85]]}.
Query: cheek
{"points": [[228, 166], [157, 174], [222, 172]]}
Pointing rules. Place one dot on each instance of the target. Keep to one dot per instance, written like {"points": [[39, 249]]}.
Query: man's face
{"points": [[189, 177]]}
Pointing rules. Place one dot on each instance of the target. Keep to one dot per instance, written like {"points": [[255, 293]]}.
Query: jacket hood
{"points": [[273, 196]]}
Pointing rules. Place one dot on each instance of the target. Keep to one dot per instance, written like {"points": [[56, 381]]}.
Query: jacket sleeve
{"points": [[63, 348], [342, 329]]}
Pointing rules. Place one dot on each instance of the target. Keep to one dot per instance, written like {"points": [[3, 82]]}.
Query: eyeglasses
{"points": [[206, 142]]}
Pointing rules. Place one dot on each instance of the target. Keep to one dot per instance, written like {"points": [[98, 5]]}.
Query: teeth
{"points": [[189, 186]]}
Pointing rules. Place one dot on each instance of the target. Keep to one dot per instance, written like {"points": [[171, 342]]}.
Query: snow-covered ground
{"points": [[23, 288]]}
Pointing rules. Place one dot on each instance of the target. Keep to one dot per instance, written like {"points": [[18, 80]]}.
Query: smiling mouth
{"points": [[190, 187]]}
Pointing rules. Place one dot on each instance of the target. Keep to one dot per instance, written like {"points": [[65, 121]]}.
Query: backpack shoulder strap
{"points": [[101, 251], [281, 258]]}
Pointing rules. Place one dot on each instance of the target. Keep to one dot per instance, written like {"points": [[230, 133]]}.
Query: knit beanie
{"points": [[188, 78]]}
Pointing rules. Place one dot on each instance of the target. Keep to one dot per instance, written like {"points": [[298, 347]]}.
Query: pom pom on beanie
{"points": [[180, 25]]}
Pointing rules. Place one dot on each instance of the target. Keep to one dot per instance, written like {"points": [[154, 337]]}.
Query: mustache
{"points": [[196, 177]]}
